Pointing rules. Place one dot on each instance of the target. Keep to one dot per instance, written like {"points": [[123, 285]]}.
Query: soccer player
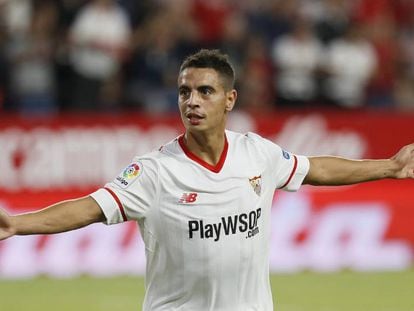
{"points": [[202, 201]]}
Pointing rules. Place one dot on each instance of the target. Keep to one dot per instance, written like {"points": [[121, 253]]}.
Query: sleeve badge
{"points": [[129, 174]]}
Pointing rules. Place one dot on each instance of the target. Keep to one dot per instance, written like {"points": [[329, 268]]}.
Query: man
{"points": [[99, 41], [203, 200]]}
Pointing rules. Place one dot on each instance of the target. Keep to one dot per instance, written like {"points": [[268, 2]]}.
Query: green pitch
{"points": [[344, 291]]}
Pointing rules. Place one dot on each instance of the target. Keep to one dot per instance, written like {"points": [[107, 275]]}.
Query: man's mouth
{"points": [[194, 118]]}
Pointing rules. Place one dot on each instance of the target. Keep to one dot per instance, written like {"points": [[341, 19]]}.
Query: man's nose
{"points": [[193, 100]]}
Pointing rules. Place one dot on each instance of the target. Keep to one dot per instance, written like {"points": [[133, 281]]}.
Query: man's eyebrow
{"points": [[200, 87], [206, 86]]}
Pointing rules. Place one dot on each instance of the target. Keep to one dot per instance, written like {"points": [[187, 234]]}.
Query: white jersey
{"points": [[206, 228]]}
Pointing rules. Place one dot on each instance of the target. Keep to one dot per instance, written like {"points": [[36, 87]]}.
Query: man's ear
{"points": [[231, 100]]}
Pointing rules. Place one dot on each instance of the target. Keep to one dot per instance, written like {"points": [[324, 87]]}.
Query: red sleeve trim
{"points": [[295, 166], [120, 206]]}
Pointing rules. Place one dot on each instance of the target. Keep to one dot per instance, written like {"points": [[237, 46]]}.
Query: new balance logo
{"points": [[188, 197]]}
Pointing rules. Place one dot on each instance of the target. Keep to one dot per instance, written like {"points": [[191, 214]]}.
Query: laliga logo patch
{"points": [[129, 174], [256, 183], [131, 171]]}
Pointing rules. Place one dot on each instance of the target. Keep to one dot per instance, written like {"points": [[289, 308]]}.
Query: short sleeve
{"points": [[131, 194], [292, 171], [288, 170]]}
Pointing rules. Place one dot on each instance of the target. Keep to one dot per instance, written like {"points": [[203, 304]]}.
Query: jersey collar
{"points": [[214, 168]]}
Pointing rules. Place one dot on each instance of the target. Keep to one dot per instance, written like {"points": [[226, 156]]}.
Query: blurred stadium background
{"points": [[86, 85]]}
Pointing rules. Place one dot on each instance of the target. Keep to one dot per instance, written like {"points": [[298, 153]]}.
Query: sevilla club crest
{"points": [[256, 183]]}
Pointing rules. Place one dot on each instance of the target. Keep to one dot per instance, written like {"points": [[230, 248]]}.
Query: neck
{"points": [[207, 147]]}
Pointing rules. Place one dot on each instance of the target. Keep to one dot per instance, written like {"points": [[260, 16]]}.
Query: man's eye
{"points": [[183, 93], [206, 91]]}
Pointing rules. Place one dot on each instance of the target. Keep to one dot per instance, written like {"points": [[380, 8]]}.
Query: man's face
{"points": [[203, 99]]}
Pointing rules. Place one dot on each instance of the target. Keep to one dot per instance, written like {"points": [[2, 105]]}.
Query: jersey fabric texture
{"points": [[206, 228]]}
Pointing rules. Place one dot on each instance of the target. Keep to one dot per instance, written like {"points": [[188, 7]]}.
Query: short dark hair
{"points": [[213, 59]]}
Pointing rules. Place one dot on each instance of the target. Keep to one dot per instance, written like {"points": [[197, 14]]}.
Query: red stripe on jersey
{"points": [[295, 165], [214, 168], [121, 208]]}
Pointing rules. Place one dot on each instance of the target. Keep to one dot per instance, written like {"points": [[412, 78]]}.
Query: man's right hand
{"points": [[6, 228]]}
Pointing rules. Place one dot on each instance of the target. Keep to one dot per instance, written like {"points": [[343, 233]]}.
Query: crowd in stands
{"points": [[114, 56]]}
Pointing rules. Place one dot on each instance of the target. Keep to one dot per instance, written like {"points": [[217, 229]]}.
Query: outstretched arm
{"points": [[326, 170], [60, 217]]}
